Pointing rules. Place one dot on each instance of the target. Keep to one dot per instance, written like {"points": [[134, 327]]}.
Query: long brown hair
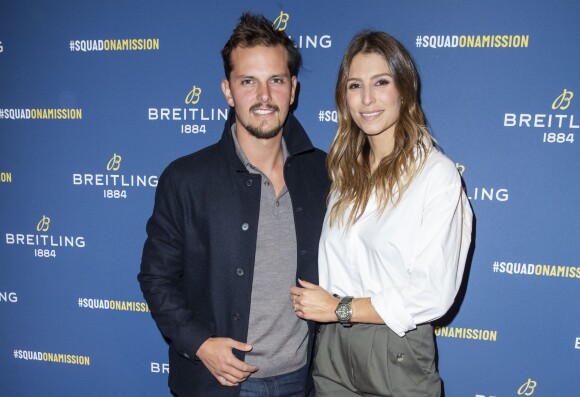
{"points": [[348, 159]]}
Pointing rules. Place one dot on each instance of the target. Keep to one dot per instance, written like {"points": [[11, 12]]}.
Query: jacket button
{"points": [[400, 357], [249, 182], [240, 271], [236, 316], [245, 227]]}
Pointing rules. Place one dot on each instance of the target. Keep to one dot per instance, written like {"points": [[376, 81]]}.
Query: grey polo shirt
{"points": [[279, 337]]}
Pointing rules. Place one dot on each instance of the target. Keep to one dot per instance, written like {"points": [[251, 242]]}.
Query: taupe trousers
{"points": [[371, 360]]}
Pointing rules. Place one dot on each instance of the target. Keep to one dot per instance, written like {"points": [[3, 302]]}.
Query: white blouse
{"points": [[410, 260]]}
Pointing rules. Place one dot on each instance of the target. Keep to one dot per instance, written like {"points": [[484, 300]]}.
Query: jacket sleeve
{"points": [[440, 252], [162, 271]]}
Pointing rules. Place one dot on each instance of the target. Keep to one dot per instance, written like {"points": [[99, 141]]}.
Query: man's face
{"points": [[261, 89]]}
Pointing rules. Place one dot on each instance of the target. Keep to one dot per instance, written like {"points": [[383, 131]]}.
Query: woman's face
{"points": [[371, 96]]}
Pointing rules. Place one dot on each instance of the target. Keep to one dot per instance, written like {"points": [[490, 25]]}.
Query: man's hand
{"points": [[216, 354]]}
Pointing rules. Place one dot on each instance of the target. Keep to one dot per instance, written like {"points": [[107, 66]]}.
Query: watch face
{"points": [[343, 312]]}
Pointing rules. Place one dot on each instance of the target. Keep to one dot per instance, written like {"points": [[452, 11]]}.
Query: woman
{"points": [[396, 234]]}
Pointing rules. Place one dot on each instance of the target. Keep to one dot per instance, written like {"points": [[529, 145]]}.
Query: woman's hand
{"points": [[312, 302]]}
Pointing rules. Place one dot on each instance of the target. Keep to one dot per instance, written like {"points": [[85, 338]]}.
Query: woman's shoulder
{"points": [[439, 166]]}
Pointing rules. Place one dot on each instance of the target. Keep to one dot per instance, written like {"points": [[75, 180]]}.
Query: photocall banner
{"points": [[97, 97]]}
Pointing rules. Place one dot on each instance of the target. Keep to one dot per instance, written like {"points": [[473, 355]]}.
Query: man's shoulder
{"points": [[310, 171], [321, 154], [195, 162], [315, 158]]}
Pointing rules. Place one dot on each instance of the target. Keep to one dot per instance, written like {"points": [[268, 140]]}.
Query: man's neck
{"points": [[267, 155], [264, 154]]}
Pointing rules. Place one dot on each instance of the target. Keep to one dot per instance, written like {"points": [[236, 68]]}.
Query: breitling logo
{"points": [[281, 22], [43, 224], [528, 388], [114, 163], [193, 96], [562, 102]]}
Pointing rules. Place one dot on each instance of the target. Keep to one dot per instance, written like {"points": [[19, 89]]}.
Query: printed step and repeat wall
{"points": [[97, 97]]}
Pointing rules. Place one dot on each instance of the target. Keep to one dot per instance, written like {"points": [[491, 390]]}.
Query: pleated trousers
{"points": [[371, 360]]}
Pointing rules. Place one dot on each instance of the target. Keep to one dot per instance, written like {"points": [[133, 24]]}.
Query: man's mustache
{"points": [[267, 106]]}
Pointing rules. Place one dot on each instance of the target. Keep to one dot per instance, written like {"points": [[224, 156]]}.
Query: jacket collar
{"points": [[297, 141]]}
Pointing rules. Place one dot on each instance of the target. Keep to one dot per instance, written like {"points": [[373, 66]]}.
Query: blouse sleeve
{"points": [[440, 252]]}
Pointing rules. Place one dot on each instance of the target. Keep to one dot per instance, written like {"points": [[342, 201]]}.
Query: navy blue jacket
{"points": [[197, 265]]}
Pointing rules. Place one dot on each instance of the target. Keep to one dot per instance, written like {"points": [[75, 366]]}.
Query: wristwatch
{"points": [[344, 311]]}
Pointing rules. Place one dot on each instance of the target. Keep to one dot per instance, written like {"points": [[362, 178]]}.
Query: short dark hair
{"points": [[253, 30]]}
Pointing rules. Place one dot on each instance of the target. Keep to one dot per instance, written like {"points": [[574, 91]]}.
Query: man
{"points": [[233, 228]]}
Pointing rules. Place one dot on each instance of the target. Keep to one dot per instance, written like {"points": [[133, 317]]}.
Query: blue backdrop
{"points": [[97, 97]]}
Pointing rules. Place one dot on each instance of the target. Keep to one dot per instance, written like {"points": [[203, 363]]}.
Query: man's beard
{"points": [[257, 131]]}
